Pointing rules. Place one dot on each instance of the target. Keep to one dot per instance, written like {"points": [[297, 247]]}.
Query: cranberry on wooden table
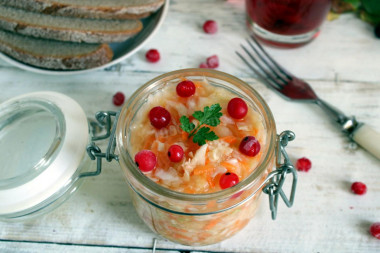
{"points": [[212, 61], [303, 164], [152, 55], [375, 230], [359, 188], [210, 26], [118, 98], [203, 65]]}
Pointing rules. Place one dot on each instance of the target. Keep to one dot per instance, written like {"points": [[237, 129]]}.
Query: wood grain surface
{"points": [[342, 64]]}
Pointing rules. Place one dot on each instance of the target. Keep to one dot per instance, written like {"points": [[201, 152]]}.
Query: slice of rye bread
{"points": [[105, 9], [51, 54], [67, 28]]}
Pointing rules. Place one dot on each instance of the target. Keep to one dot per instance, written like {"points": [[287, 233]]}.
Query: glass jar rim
{"points": [[125, 156]]}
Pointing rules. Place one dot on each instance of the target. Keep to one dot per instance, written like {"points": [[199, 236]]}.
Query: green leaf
{"points": [[210, 116], [213, 121], [355, 3], [342, 6], [204, 134], [199, 115], [186, 125]]}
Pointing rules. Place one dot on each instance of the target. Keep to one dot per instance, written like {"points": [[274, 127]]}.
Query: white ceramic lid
{"points": [[43, 138]]}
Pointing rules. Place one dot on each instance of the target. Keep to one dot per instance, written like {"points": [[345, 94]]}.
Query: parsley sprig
{"points": [[200, 133]]}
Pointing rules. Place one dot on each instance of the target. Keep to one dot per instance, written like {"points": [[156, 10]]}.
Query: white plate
{"points": [[121, 50]]}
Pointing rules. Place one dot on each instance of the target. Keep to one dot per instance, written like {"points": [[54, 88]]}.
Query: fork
{"points": [[292, 88]]}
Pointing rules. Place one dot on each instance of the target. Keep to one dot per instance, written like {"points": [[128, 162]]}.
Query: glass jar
{"points": [[195, 219], [43, 138], [46, 148]]}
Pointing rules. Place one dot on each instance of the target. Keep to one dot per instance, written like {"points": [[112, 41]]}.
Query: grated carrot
{"points": [[229, 139], [161, 139], [211, 204], [173, 139], [212, 224], [181, 236], [210, 181], [184, 135], [203, 169], [148, 142], [230, 167], [177, 229], [204, 236], [189, 190], [197, 84]]}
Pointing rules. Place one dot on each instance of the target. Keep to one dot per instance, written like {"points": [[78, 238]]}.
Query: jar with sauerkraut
{"points": [[196, 147]]}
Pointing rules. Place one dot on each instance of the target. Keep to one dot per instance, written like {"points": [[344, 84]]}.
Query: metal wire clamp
{"points": [[104, 121], [277, 178]]}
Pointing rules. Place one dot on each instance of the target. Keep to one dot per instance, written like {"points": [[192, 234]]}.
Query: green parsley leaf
{"points": [[210, 116], [199, 115], [204, 134], [186, 125]]}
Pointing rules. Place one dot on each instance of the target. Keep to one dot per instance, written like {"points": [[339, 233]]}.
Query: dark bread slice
{"points": [[52, 54], [66, 28], [104, 9]]}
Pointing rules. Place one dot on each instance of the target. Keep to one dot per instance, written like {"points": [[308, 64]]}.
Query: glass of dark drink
{"points": [[286, 23]]}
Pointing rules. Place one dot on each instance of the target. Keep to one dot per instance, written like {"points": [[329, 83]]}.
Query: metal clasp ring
{"points": [[277, 178], [104, 121]]}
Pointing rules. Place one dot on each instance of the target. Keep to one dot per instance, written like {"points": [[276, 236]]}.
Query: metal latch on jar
{"points": [[277, 178], [104, 122]]}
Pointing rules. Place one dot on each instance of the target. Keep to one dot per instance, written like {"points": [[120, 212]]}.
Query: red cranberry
{"points": [[303, 164], [237, 108], [203, 65], [375, 230], [159, 117], [118, 98], [249, 146], [185, 88], [210, 26], [359, 188], [228, 180], [152, 55], [146, 160], [213, 61], [175, 153]]}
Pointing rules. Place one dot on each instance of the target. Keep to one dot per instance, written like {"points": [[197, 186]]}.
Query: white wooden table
{"points": [[342, 64]]}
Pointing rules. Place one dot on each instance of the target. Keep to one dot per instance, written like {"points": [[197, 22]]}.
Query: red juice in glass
{"points": [[287, 23]]}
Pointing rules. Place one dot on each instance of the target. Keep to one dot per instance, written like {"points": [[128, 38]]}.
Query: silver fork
{"points": [[292, 88]]}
